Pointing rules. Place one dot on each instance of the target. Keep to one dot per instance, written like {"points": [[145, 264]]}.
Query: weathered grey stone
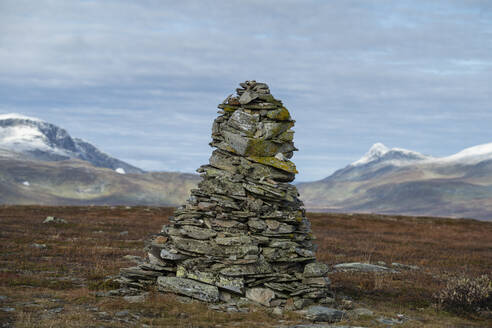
{"points": [[322, 313], [315, 269], [260, 295], [247, 97], [198, 233], [317, 281], [404, 266], [171, 254], [232, 284], [188, 287], [244, 122], [198, 246], [139, 274], [39, 246], [389, 321], [257, 224], [135, 298], [361, 267], [360, 312], [236, 240], [302, 303], [262, 267], [205, 206], [270, 130]]}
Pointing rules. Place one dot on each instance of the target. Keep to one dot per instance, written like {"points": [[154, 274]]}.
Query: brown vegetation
{"points": [[55, 286]]}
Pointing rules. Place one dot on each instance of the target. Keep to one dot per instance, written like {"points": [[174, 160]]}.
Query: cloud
{"points": [[126, 74]]}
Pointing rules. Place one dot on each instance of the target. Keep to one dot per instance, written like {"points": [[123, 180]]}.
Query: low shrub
{"points": [[464, 294]]}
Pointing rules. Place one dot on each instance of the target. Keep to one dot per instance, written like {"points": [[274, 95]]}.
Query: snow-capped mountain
{"points": [[40, 140], [402, 181], [398, 156]]}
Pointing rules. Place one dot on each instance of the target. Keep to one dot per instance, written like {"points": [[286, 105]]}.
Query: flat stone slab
{"points": [[188, 287], [362, 267]]}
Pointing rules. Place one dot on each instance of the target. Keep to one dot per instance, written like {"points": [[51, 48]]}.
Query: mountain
{"points": [[40, 140], [76, 182], [400, 181]]}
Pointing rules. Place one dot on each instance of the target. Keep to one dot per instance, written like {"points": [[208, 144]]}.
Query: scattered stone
{"points": [[362, 267], [389, 321], [3, 298], [123, 233], [321, 313], [40, 246], [56, 310], [242, 236], [55, 220]]}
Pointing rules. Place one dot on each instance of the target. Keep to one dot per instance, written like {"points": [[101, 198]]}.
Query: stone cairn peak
{"points": [[243, 234]]}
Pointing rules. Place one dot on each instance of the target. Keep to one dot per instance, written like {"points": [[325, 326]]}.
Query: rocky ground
{"points": [[384, 271]]}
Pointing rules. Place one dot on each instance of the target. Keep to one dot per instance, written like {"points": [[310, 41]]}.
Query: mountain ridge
{"points": [[40, 140], [399, 181]]}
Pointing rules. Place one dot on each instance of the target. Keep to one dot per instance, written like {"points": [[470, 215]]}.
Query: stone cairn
{"points": [[243, 234]]}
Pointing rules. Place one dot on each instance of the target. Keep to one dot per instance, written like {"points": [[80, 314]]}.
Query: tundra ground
{"points": [[50, 273]]}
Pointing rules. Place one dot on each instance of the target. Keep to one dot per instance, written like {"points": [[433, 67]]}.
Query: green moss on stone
{"points": [[287, 166], [281, 114], [228, 108]]}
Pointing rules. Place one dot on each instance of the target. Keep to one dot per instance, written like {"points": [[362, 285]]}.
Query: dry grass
{"points": [[63, 276]]}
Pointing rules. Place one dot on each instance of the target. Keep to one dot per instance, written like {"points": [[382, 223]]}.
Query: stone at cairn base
{"points": [[243, 232]]}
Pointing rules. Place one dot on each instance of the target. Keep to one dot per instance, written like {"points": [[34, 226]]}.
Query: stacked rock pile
{"points": [[243, 232]]}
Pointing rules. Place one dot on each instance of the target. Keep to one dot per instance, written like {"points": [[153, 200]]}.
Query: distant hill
{"points": [[399, 181], [41, 163], [40, 140]]}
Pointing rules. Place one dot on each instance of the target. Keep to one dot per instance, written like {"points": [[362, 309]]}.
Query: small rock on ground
{"points": [[362, 267], [40, 246], [53, 219], [323, 313]]}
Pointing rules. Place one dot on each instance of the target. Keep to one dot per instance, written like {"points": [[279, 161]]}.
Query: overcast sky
{"points": [[141, 79]]}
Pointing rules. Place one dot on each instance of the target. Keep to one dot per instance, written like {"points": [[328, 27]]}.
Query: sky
{"points": [[141, 79]]}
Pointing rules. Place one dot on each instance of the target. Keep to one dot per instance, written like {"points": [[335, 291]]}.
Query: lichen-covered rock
{"points": [[322, 313], [188, 287], [316, 269], [242, 236]]}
